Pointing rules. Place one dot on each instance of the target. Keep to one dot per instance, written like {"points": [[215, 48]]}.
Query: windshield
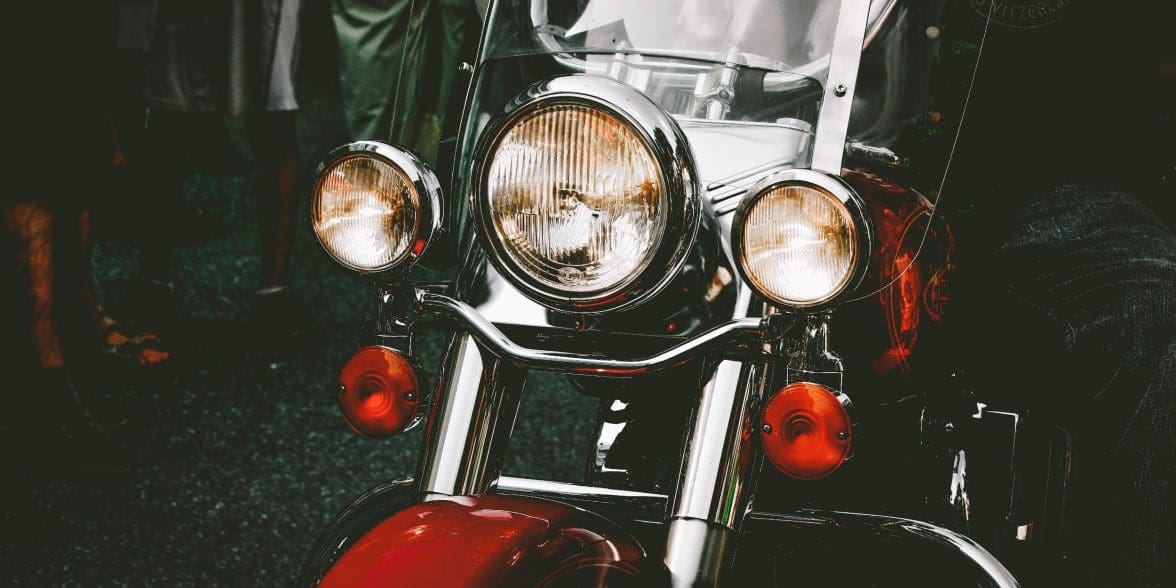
{"points": [[745, 79], [764, 34]]}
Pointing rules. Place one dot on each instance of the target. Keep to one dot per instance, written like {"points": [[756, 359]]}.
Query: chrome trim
{"points": [[424, 182], [858, 211], [719, 467], [472, 418], [647, 504], [873, 154], [697, 552], [833, 121], [715, 474], [499, 345], [605, 437], [813, 360], [885, 526], [677, 169]]}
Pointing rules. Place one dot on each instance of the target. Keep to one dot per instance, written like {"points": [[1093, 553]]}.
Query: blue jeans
{"points": [[1078, 312]]}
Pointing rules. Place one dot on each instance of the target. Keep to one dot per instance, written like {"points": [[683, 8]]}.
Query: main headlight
{"points": [[799, 238], [578, 203], [374, 206]]}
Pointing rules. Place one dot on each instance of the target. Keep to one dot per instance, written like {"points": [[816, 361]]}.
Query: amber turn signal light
{"points": [[806, 431], [378, 392]]}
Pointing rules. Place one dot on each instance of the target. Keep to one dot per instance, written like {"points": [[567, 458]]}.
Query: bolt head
{"points": [[840, 90], [767, 429]]}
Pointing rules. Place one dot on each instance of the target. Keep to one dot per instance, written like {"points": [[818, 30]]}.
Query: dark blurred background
{"points": [[238, 454]]}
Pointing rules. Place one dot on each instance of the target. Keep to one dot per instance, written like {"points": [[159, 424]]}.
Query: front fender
{"points": [[486, 540]]}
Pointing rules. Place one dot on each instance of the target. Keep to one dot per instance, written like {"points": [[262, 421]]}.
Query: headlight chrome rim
{"points": [[828, 184], [671, 153], [420, 178]]}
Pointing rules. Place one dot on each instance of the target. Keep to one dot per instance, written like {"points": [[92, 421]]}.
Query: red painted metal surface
{"points": [[911, 267], [490, 541]]}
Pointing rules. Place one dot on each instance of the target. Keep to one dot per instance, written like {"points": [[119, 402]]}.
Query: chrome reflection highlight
{"points": [[576, 197], [798, 243]]}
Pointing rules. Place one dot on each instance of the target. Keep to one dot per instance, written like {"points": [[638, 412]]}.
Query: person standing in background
{"points": [[398, 61], [206, 61], [58, 131]]}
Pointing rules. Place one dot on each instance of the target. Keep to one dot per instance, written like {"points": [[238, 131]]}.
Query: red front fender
{"points": [[493, 541]]}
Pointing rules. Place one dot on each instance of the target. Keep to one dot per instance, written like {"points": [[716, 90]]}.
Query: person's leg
{"points": [[275, 148], [1090, 334], [32, 225], [56, 428]]}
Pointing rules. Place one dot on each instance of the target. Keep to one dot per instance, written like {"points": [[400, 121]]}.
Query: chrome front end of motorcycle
{"points": [[696, 309]]}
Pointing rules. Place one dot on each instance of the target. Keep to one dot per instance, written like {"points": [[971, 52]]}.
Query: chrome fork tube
{"points": [[469, 425], [718, 474]]}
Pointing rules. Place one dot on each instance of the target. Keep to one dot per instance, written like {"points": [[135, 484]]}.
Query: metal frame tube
{"points": [[719, 467], [496, 343], [470, 424]]}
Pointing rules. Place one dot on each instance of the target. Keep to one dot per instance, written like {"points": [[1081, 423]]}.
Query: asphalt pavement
{"points": [[239, 454]]}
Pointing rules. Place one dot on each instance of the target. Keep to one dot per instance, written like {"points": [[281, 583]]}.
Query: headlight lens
{"points": [[365, 212], [576, 198], [798, 244]]}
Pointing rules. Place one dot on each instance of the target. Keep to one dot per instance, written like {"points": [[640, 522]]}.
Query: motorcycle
{"points": [[721, 220]]}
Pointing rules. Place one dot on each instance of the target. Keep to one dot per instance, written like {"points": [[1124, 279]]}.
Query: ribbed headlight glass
{"points": [[798, 245], [365, 212], [575, 198]]}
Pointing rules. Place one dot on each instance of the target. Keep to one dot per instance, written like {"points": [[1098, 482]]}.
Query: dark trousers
{"points": [[1076, 318]]}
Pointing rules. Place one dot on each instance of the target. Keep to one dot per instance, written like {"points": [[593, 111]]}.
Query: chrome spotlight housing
{"points": [[585, 195], [802, 239], [375, 207]]}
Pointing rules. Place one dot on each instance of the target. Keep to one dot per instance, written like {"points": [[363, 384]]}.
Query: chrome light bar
{"points": [[725, 336]]}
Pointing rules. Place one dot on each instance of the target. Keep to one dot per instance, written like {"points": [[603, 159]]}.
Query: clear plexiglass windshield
{"points": [[744, 78], [765, 34], [775, 35]]}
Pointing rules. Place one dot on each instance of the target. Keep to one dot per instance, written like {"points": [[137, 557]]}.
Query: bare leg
{"points": [[33, 226], [275, 146]]}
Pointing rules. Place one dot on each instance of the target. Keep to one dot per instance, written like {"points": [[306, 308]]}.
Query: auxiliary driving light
{"points": [[375, 206], [806, 431], [379, 392], [799, 238]]}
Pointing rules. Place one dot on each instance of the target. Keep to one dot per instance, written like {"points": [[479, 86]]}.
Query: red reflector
{"points": [[806, 431], [378, 392]]}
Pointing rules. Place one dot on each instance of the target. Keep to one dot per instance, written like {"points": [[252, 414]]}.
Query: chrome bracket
{"points": [[392, 326], [812, 360], [833, 121]]}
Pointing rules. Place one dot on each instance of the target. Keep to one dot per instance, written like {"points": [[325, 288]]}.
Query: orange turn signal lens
{"points": [[378, 392], [806, 431]]}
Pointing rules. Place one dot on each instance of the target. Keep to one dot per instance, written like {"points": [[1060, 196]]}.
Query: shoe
{"points": [[125, 342]]}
